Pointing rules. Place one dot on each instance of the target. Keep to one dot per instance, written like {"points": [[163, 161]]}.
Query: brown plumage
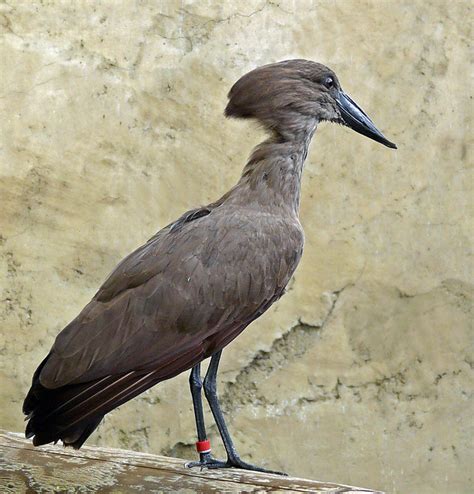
{"points": [[195, 285]]}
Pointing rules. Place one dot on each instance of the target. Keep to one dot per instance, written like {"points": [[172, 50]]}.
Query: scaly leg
{"points": [[210, 389], [205, 458]]}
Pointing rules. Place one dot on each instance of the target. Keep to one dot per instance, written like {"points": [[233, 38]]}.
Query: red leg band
{"points": [[203, 446]]}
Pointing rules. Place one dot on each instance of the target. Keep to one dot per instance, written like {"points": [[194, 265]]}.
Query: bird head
{"points": [[293, 96]]}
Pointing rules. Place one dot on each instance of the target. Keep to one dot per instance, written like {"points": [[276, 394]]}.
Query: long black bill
{"points": [[355, 118]]}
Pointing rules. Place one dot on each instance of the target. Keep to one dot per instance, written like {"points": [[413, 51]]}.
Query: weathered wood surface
{"points": [[25, 469]]}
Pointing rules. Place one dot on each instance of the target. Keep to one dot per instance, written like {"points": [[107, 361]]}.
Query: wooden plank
{"points": [[25, 469]]}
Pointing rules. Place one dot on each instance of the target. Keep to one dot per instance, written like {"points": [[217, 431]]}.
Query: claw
{"points": [[207, 462], [210, 462], [238, 463]]}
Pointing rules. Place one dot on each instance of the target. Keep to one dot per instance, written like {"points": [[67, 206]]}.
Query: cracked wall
{"points": [[113, 127]]}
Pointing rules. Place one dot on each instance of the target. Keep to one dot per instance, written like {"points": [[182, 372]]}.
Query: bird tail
{"points": [[72, 412]]}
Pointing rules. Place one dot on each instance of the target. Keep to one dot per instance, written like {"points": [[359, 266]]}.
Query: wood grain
{"points": [[25, 469]]}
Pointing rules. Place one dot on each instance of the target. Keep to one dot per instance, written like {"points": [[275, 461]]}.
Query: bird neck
{"points": [[271, 178]]}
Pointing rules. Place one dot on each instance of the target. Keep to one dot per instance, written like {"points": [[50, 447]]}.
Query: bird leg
{"points": [[195, 383], [210, 389]]}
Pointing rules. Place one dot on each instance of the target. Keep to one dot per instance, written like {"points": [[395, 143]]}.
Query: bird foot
{"points": [[236, 462], [207, 461]]}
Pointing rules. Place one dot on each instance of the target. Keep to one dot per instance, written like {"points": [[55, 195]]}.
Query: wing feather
{"points": [[201, 279]]}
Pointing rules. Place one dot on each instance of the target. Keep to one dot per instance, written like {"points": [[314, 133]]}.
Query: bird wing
{"points": [[189, 290], [146, 261]]}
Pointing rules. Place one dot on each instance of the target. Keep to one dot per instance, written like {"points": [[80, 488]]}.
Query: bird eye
{"points": [[329, 82]]}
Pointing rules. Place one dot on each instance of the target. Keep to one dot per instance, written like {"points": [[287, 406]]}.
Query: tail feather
{"points": [[77, 437], [72, 412]]}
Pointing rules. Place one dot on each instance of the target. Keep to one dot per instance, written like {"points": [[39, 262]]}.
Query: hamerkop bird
{"points": [[201, 280]]}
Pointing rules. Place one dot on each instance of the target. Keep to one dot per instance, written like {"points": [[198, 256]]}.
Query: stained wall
{"points": [[112, 126]]}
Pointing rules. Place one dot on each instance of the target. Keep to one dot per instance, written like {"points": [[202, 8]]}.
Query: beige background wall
{"points": [[112, 126]]}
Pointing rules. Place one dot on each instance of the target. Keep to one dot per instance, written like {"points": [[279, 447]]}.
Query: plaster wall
{"points": [[112, 126]]}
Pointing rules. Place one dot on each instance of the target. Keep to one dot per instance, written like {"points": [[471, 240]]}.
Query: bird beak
{"points": [[355, 118]]}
